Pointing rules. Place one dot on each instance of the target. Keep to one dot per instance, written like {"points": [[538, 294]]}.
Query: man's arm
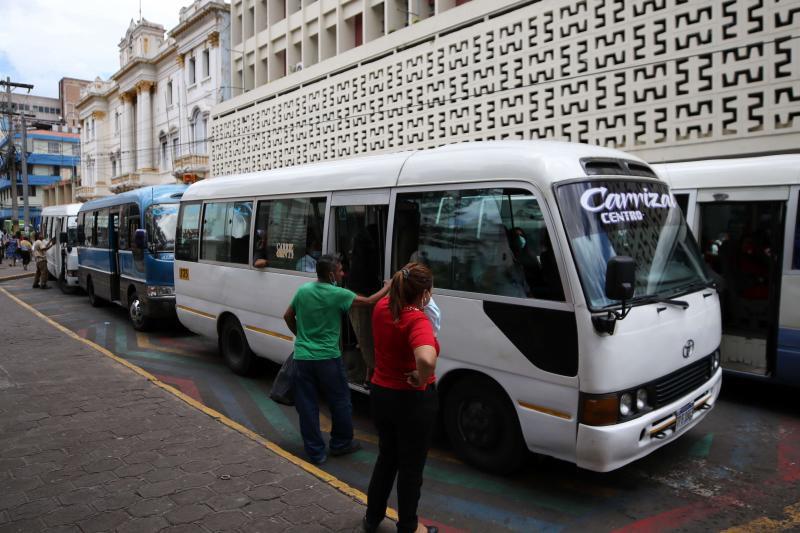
{"points": [[372, 300], [290, 317]]}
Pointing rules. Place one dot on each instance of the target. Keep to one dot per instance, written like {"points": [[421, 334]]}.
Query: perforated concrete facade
{"points": [[665, 79]]}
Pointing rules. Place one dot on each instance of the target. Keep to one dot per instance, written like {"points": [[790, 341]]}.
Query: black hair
{"points": [[326, 265]]}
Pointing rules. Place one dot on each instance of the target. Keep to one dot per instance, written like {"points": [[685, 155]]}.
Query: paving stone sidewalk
{"points": [[87, 444]]}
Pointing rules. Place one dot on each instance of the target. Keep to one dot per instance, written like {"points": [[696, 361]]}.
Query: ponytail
{"points": [[408, 285]]}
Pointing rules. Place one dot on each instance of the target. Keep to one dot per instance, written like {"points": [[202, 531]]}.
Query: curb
{"points": [[334, 482], [17, 276]]}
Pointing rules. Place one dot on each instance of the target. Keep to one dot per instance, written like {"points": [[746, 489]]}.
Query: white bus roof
{"points": [[726, 173], [540, 162], [55, 210]]}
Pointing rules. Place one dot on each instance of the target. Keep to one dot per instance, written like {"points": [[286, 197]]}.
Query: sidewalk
{"points": [[87, 444], [8, 272]]}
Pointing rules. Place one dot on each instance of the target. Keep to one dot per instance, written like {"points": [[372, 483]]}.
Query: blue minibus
{"points": [[126, 249]]}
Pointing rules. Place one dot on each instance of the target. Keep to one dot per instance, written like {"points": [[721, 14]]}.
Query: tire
{"points": [[136, 313], [235, 349], [482, 425], [94, 300]]}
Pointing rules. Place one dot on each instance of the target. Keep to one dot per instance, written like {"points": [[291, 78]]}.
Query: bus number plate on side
{"points": [[684, 416], [183, 273]]}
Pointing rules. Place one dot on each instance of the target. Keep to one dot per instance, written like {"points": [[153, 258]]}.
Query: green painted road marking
{"points": [[702, 447]]}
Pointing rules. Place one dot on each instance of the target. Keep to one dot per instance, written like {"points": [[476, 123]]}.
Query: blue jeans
{"points": [[327, 376]]}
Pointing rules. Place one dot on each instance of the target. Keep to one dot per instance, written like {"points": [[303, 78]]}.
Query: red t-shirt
{"points": [[395, 344]]}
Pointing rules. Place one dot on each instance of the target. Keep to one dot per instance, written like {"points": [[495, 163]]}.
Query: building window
{"points": [[116, 122], [175, 148], [113, 167], [53, 148], [169, 92], [199, 125], [164, 152], [192, 73], [76, 149], [206, 63]]}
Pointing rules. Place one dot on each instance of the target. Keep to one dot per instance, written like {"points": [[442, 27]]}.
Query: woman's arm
{"points": [[425, 357]]}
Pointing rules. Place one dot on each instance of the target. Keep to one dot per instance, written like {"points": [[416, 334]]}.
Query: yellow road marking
{"points": [[768, 524], [270, 333], [17, 276], [325, 427], [334, 482]]}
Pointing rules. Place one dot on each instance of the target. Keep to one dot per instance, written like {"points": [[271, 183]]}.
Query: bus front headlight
{"points": [[160, 290], [625, 404], [641, 399], [715, 361]]}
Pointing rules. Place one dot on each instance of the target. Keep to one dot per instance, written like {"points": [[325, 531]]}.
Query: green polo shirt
{"points": [[318, 308]]}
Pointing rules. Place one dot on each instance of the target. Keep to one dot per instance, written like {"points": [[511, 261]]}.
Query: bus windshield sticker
{"points": [[619, 207]]}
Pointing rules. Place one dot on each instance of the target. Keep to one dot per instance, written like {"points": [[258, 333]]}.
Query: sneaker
{"points": [[353, 447], [44, 287], [320, 461], [35, 285]]}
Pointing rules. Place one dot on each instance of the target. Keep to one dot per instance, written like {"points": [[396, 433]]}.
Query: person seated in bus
{"points": [[308, 263], [524, 257], [260, 259], [315, 318]]}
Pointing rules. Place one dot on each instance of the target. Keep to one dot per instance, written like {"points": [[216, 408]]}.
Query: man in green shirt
{"points": [[315, 318]]}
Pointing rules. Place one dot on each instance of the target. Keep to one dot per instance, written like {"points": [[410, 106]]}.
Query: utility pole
{"points": [[12, 174], [26, 214]]}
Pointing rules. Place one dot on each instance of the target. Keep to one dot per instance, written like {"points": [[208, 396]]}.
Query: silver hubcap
{"points": [[136, 310]]}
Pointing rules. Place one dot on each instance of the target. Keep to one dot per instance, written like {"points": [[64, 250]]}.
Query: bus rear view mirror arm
{"points": [[620, 280]]}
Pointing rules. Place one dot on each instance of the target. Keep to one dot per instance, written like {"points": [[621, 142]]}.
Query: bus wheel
{"points": [[136, 313], [93, 298], [235, 349], [482, 425]]}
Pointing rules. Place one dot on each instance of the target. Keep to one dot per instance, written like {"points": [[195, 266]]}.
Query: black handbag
{"points": [[283, 387]]}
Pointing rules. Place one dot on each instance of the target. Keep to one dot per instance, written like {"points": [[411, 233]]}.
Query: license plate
{"points": [[684, 416]]}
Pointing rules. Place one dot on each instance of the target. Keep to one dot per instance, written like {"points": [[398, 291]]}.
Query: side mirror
{"points": [[62, 237], [620, 278], [139, 239]]}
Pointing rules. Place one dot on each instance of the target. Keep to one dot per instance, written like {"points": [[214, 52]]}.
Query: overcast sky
{"points": [[42, 41]]}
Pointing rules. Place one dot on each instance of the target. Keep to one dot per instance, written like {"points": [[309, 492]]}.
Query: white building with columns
{"points": [[148, 124]]}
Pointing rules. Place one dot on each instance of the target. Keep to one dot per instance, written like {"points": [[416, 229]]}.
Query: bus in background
{"points": [[126, 250], [577, 318], [745, 216], [60, 223]]}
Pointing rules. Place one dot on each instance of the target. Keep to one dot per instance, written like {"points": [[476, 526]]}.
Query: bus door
{"points": [[113, 246], [358, 235], [741, 235]]}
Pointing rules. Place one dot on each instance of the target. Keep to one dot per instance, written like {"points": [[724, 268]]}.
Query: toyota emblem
{"points": [[688, 349]]}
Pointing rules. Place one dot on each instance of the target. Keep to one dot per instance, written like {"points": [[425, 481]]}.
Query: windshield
{"points": [[639, 219], [160, 223]]}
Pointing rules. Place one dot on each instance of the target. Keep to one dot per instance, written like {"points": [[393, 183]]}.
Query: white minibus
{"points": [[744, 214], [577, 317], [60, 223]]}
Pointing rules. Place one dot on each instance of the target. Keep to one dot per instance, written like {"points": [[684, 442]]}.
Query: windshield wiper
{"points": [[683, 304]]}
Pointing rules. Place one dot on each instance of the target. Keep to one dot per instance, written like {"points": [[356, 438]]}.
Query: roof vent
{"points": [[615, 167]]}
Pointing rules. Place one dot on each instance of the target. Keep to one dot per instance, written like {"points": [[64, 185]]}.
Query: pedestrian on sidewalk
{"points": [[24, 251], [315, 318], [403, 397], [40, 255], [2, 245], [11, 249]]}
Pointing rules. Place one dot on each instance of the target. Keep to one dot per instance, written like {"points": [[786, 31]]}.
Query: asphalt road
{"points": [[740, 468]]}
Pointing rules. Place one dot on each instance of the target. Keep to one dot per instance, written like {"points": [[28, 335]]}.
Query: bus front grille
{"points": [[680, 382]]}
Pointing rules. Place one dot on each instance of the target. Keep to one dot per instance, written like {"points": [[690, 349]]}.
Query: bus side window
{"points": [[101, 239], [226, 232], [289, 233], [491, 241], [91, 229], [188, 233]]}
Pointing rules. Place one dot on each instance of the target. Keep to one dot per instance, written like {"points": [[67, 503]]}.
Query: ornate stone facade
{"points": [[664, 79]]}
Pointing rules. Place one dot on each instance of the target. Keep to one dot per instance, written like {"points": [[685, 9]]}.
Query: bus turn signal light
{"points": [[600, 410]]}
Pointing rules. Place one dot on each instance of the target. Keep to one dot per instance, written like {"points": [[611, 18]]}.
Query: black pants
{"points": [[405, 421]]}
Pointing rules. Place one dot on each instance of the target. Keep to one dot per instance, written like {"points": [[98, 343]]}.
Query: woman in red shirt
{"points": [[403, 396]]}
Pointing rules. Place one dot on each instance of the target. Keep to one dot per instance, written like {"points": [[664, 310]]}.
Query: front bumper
{"points": [[606, 448], [159, 306]]}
